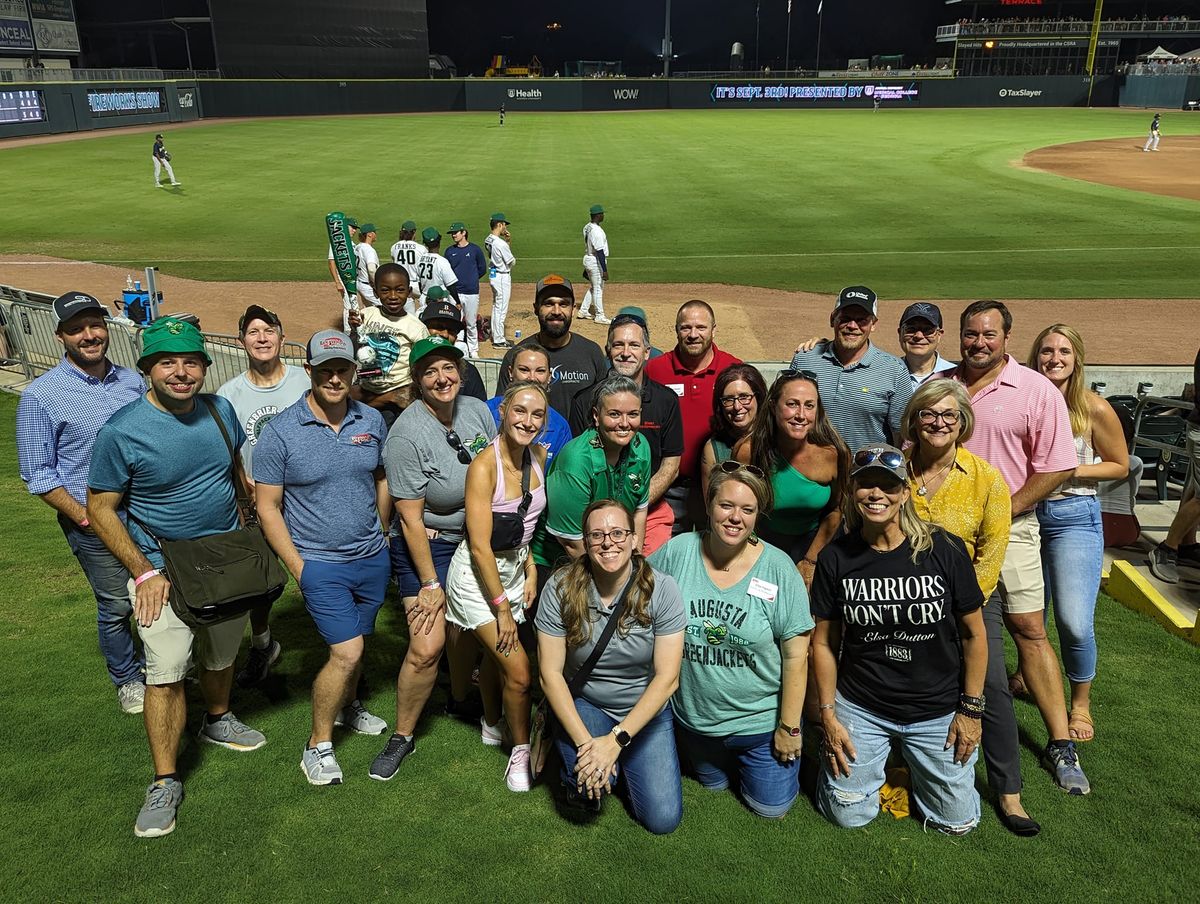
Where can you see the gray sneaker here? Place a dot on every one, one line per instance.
(320, 767)
(355, 717)
(388, 762)
(1164, 564)
(258, 663)
(1060, 757)
(157, 816)
(132, 697)
(229, 731)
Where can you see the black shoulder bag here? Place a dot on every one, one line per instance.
(508, 528)
(221, 576)
(541, 733)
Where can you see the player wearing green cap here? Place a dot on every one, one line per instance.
(500, 261)
(406, 252)
(368, 263)
(433, 269)
(595, 265)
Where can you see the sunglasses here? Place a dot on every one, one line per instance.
(452, 440)
(729, 466)
(889, 458)
(789, 373)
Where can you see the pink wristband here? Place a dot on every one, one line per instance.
(142, 578)
(499, 601)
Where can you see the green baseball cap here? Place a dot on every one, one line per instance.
(350, 221)
(457, 226)
(430, 234)
(432, 344)
(498, 218)
(436, 293)
(409, 224)
(367, 227)
(595, 209)
(170, 336)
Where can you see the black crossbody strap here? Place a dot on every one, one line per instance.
(526, 496)
(579, 679)
(239, 488)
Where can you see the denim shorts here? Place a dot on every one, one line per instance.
(405, 575)
(767, 786)
(344, 598)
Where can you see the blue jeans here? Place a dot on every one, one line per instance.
(110, 584)
(943, 790)
(1072, 556)
(649, 764)
(767, 786)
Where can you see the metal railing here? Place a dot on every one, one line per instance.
(1068, 27)
(27, 76)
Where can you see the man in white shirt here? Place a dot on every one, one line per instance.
(406, 252)
(595, 265)
(433, 269)
(500, 263)
(368, 263)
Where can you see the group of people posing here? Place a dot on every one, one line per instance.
(766, 587)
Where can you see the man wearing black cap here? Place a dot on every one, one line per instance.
(58, 418)
(162, 160)
(864, 389)
(257, 394)
(442, 317)
(575, 361)
(920, 335)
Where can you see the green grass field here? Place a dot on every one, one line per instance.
(916, 203)
(446, 828)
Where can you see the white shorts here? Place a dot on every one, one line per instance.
(465, 602)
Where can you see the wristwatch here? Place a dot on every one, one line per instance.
(624, 738)
(794, 732)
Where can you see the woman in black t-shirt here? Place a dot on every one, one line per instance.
(899, 654)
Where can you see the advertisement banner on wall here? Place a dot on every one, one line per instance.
(126, 103)
(54, 25)
(14, 26)
(832, 94)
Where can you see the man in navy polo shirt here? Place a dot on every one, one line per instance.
(323, 500)
(467, 262)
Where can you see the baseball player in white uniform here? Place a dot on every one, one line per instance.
(595, 265)
(406, 252)
(1152, 139)
(500, 263)
(433, 269)
(352, 224)
(368, 263)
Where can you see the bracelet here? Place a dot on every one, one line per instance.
(142, 578)
(971, 707)
(499, 601)
(809, 561)
(435, 584)
(827, 706)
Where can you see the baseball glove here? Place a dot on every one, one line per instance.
(167, 156)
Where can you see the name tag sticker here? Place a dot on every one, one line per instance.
(763, 590)
(676, 388)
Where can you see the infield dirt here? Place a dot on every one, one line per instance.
(1172, 170)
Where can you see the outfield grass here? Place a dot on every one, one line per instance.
(446, 829)
(916, 203)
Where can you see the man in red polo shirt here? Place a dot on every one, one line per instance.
(689, 370)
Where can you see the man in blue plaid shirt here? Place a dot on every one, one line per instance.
(58, 418)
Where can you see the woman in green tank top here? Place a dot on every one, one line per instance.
(738, 394)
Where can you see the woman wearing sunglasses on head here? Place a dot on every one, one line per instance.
(618, 723)
(426, 457)
(899, 654)
(795, 445)
(741, 687)
(737, 394)
(963, 494)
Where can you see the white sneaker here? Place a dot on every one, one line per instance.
(132, 697)
(355, 717)
(492, 735)
(320, 767)
(600, 318)
(177, 183)
(584, 315)
(517, 776)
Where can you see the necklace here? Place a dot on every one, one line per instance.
(923, 489)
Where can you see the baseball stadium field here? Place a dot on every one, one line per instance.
(764, 212)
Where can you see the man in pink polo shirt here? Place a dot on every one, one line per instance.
(689, 370)
(1023, 429)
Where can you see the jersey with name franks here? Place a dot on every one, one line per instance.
(594, 239)
(434, 270)
(406, 253)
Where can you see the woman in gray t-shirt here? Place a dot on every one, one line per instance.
(619, 721)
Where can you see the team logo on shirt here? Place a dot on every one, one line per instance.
(258, 420)
(478, 444)
(361, 439)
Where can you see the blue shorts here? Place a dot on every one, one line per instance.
(406, 576)
(343, 598)
(768, 787)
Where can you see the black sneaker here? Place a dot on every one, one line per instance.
(258, 664)
(1188, 555)
(385, 766)
(1164, 564)
(469, 710)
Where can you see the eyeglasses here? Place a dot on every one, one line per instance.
(452, 440)
(889, 458)
(616, 536)
(729, 466)
(949, 418)
(742, 398)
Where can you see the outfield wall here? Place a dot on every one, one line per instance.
(78, 107)
(1162, 91)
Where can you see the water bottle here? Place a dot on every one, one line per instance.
(518, 335)
(137, 285)
(128, 283)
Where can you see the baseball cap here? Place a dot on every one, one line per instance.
(858, 296)
(595, 209)
(258, 312)
(880, 457)
(407, 225)
(430, 234)
(350, 221)
(72, 303)
(167, 335)
(553, 283)
(457, 226)
(922, 310)
(367, 227)
(423, 347)
(330, 345)
(498, 218)
(634, 313)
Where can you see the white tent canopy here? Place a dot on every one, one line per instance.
(1191, 54)
(1158, 53)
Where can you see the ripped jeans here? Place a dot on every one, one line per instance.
(942, 790)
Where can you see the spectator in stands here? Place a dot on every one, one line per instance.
(1023, 429)
(690, 371)
(426, 457)
(1173, 551)
(964, 495)
(531, 363)
(921, 334)
(628, 350)
(738, 393)
(793, 443)
(386, 335)
(619, 724)
(741, 688)
(58, 417)
(1069, 518)
(863, 389)
(260, 392)
(575, 361)
(466, 260)
(442, 317)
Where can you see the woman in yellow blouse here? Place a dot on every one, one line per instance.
(965, 495)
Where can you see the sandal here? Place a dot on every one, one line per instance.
(1016, 685)
(1080, 722)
